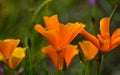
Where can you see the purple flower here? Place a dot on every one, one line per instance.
(93, 2)
(1, 69)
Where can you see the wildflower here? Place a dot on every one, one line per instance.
(89, 49)
(66, 54)
(93, 2)
(104, 42)
(59, 35)
(1, 69)
(10, 53)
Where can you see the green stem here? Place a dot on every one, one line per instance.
(39, 8)
(26, 62)
(87, 68)
(30, 62)
(113, 11)
(101, 64)
(28, 59)
(82, 68)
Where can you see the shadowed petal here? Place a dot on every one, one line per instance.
(51, 52)
(51, 36)
(105, 27)
(52, 23)
(7, 47)
(89, 49)
(16, 57)
(70, 52)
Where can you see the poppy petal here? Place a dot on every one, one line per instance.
(90, 37)
(115, 39)
(52, 23)
(69, 31)
(89, 49)
(1, 57)
(16, 57)
(51, 36)
(115, 43)
(104, 44)
(115, 35)
(70, 52)
(104, 27)
(51, 52)
(40, 29)
(75, 33)
(7, 47)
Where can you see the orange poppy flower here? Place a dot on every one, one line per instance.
(89, 49)
(10, 53)
(57, 34)
(66, 54)
(7, 47)
(104, 42)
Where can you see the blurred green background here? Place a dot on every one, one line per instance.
(16, 21)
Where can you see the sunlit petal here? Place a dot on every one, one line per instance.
(115, 35)
(69, 31)
(7, 47)
(115, 43)
(90, 37)
(89, 49)
(51, 36)
(40, 29)
(52, 22)
(105, 27)
(115, 38)
(70, 52)
(75, 33)
(104, 44)
(1, 57)
(16, 57)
